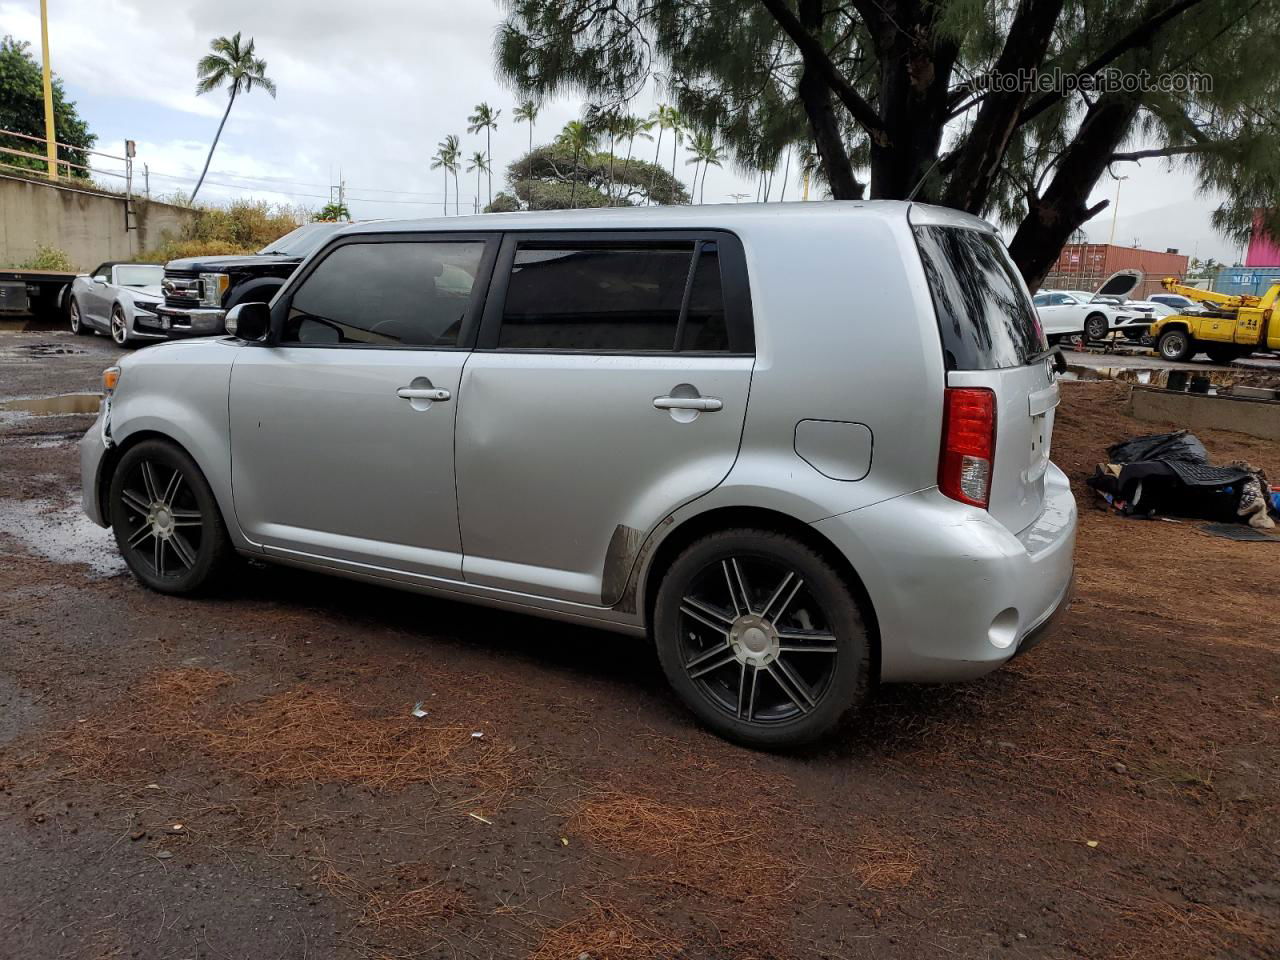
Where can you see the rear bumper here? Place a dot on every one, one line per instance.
(955, 593)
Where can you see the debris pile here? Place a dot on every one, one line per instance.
(1170, 474)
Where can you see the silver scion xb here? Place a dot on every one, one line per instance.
(802, 447)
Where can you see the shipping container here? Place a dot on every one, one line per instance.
(1084, 266)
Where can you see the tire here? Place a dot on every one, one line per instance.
(1096, 327)
(786, 670)
(119, 327)
(1175, 346)
(186, 549)
(76, 319)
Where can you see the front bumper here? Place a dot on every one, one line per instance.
(955, 593)
(191, 321)
(93, 452)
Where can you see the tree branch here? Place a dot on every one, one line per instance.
(1136, 37)
(816, 56)
(1135, 155)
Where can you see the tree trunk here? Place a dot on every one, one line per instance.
(488, 157)
(836, 167)
(694, 189)
(573, 185)
(675, 145)
(457, 194)
(213, 146)
(786, 172)
(1060, 211)
(653, 177)
(446, 191)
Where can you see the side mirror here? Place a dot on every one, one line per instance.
(249, 321)
(99, 279)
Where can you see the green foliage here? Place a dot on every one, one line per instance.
(49, 258)
(906, 111)
(333, 211)
(243, 227)
(22, 110)
(233, 63)
(560, 175)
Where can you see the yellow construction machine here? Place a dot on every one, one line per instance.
(1231, 327)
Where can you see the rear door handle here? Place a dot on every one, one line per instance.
(703, 404)
(422, 393)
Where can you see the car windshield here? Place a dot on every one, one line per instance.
(139, 275)
(302, 241)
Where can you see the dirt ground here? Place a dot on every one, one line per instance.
(241, 777)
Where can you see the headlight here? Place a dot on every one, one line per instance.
(212, 287)
(110, 379)
(147, 308)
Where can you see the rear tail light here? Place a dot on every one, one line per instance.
(968, 444)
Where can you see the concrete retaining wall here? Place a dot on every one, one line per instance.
(1199, 411)
(87, 224)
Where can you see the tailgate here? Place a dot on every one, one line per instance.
(991, 337)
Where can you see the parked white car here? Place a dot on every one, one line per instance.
(1066, 313)
(118, 299)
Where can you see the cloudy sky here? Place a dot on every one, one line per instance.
(366, 90)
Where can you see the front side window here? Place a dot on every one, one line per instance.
(614, 298)
(403, 293)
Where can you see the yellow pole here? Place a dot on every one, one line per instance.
(805, 195)
(51, 144)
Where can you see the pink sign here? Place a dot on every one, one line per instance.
(1263, 249)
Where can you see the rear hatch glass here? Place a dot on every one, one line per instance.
(984, 314)
(991, 337)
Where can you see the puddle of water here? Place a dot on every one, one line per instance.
(61, 534)
(53, 406)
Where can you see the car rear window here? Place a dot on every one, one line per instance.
(984, 315)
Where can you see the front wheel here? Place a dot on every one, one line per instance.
(1095, 327)
(78, 326)
(166, 520)
(1175, 345)
(119, 327)
(762, 638)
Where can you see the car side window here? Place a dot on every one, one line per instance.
(1065, 301)
(1041, 300)
(628, 297)
(401, 293)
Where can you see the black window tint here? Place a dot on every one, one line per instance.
(410, 293)
(984, 315)
(595, 298)
(705, 327)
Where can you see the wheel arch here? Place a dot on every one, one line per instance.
(649, 573)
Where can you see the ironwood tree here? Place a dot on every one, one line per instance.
(1009, 109)
(22, 111)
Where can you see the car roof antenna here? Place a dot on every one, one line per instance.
(920, 183)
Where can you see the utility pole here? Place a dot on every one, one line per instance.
(146, 180)
(50, 134)
(1115, 212)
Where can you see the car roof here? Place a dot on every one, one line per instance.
(727, 216)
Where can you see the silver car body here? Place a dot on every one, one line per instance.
(549, 482)
(112, 285)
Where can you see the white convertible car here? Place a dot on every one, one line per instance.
(118, 299)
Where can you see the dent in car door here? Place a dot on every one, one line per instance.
(342, 435)
(578, 432)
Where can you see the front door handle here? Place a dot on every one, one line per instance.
(701, 404)
(423, 393)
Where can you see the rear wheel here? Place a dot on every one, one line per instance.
(166, 520)
(1095, 327)
(1175, 345)
(761, 638)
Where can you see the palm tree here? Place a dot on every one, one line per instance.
(707, 153)
(230, 62)
(486, 118)
(677, 138)
(580, 138)
(526, 112)
(629, 128)
(479, 164)
(452, 151)
(443, 161)
(606, 121)
(667, 118)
